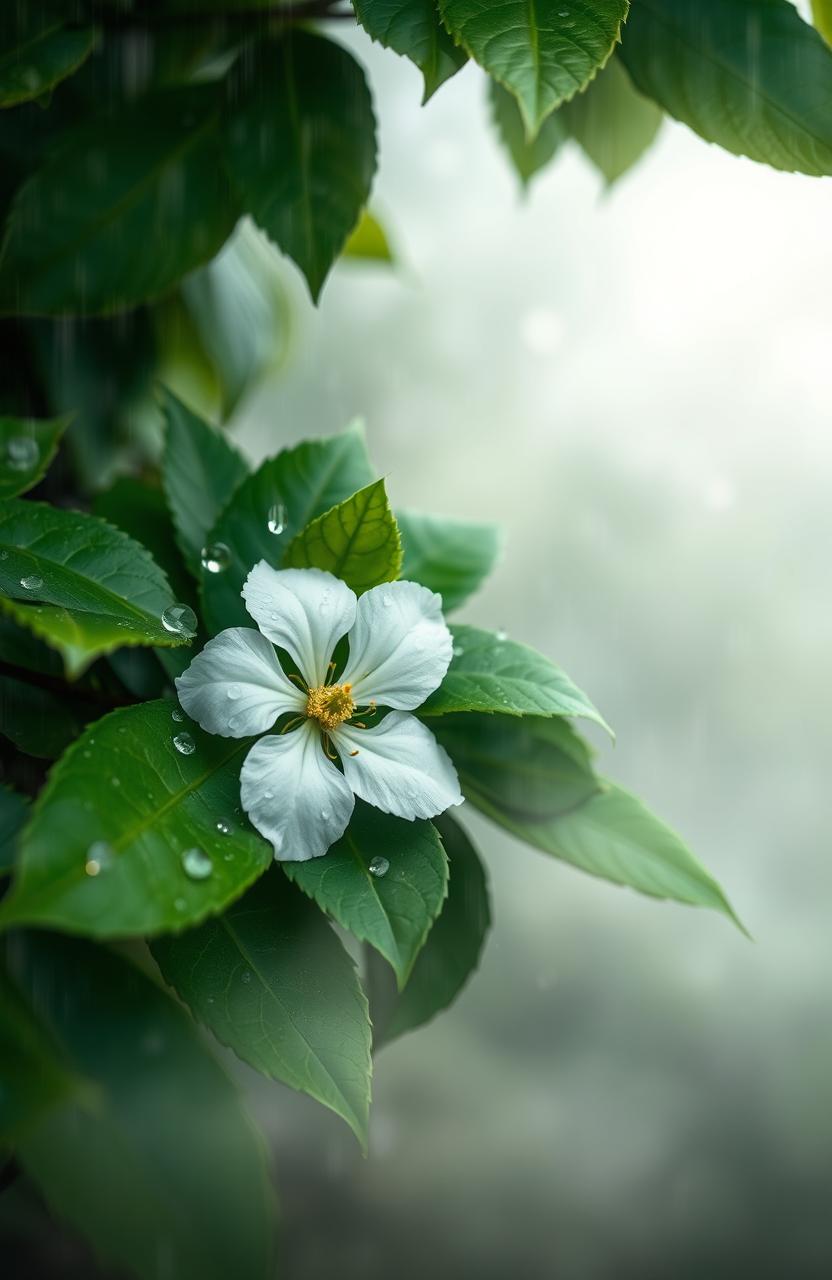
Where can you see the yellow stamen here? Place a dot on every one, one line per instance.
(330, 705)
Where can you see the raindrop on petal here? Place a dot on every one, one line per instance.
(233, 691)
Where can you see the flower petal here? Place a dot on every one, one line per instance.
(400, 647)
(236, 686)
(304, 611)
(294, 795)
(399, 767)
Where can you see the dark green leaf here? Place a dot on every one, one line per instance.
(273, 983)
(40, 722)
(613, 124)
(96, 589)
(543, 52)
(489, 672)
(140, 510)
(528, 156)
(153, 1158)
(105, 852)
(368, 242)
(749, 75)
(37, 51)
(27, 447)
(529, 767)
(200, 469)
(146, 175)
(301, 146)
(453, 557)
(615, 837)
(357, 540)
(33, 1077)
(452, 951)
(392, 906)
(413, 28)
(13, 813)
(285, 493)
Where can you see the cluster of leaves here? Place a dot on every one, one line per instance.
(138, 832)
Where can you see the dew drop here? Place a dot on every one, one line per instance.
(233, 724)
(99, 858)
(223, 827)
(177, 715)
(115, 782)
(268, 795)
(325, 815)
(458, 650)
(180, 619)
(379, 867)
(501, 636)
(386, 600)
(215, 557)
(31, 582)
(184, 744)
(22, 453)
(196, 864)
(277, 518)
(233, 692)
(4, 555)
(245, 976)
(325, 600)
(179, 904)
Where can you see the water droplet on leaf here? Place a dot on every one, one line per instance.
(22, 453)
(277, 518)
(184, 744)
(223, 827)
(180, 619)
(215, 557)
(177, 715)
(245, 976)
(99, 858)
(196, 864)
(379, 867)
(31, 582)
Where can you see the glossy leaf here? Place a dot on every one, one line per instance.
(391, 907)
(489, 672)
(612, 122)
(544, 52)
(452, 951)
(822, 17)
(153, 1158)
(40, 722)
(529, 767)
(140, 510)
(615, 837)
(749, 75)
(358, 541)
(273, 983)
(147, 174)
(27, 446)
(79, 584)
(368, 242)
(105, 851)
(200, 471)
(284, 494)
(528, 155)
(301, 146)
(414, 29)
(452, 557)
(13, 812)
(37, 51)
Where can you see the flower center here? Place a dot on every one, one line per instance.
(330, 704)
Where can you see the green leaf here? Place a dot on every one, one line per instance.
(41, 722)
(153, 1158)
(273, 983)
(139, 510)
(105, 852)
(301, 146)
(451, 953)
(527, 155)
(543, 51)
(452, 557)
(615, 837)
(749, 75)
(200, 470)
(147, 174)
(391, 907)
(13, 813)
(37, 51)
(489, 672)
(822, 16)
(368, 241)
(97, 589)
(357, 540)
(27, 447)
(286, 493)
(613, 124)
(413, 28)
(33, 1077)
(532, 767)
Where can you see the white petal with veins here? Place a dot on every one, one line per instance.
(400, 647)
(304, 611)
(398, 766)
(236, 686)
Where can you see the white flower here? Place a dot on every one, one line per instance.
(399, 651)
